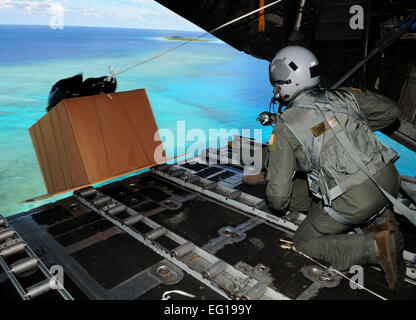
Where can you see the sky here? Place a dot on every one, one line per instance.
(142, 14)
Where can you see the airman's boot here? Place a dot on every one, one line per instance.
(390, 247)
(254, 178)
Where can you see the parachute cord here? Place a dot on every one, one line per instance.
(114, 74)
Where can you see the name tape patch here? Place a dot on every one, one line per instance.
(324, 126)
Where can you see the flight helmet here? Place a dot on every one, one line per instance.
(292, 70)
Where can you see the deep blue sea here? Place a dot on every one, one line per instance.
(208, 85)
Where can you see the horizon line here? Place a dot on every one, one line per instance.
(112, 27)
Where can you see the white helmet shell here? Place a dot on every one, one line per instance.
(292, 70)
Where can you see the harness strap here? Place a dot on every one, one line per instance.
(336, 216)
(335, 192)
(342, 138)
(314, 178)
(335, 108)
(316, 175)
(338, 109)
(317, 141)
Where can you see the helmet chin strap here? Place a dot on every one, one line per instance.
(277, 94)
(276, 91)
(269, 118)
(277, 87)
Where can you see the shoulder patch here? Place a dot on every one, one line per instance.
(271, 143)
(271, 140)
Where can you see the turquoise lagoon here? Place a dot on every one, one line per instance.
(209, 85)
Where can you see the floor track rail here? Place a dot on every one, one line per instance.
(205, 267)
(242, 201)
(12, 244)
(247, 203)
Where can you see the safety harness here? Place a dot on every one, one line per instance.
(326, 120)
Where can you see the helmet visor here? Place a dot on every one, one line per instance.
(278, 70)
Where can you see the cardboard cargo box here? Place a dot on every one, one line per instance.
(86, 140)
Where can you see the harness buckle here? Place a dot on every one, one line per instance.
(314, 182)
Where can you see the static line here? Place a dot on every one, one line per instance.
(114, 74)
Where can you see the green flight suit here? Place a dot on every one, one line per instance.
(320, 236)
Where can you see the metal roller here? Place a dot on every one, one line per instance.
(261, 205)
(87, 192)
(178, 173)
(116, 209)
(6, 234)
(193, 179)
(13, 249)
(182, 250)
(39, 289)
(210, 186)
(255, 293)
(214, 270)
(163, 167)
(101, 201)
(133, 219)
(155, 234)
(234, 195)
(24, 265)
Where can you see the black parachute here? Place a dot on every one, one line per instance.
(75, 87)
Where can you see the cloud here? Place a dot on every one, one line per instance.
(132, 13)
(31, 7)
(110, 13)
(56, 8)
(88, 12)
(6, 5)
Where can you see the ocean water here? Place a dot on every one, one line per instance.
(208, 85)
